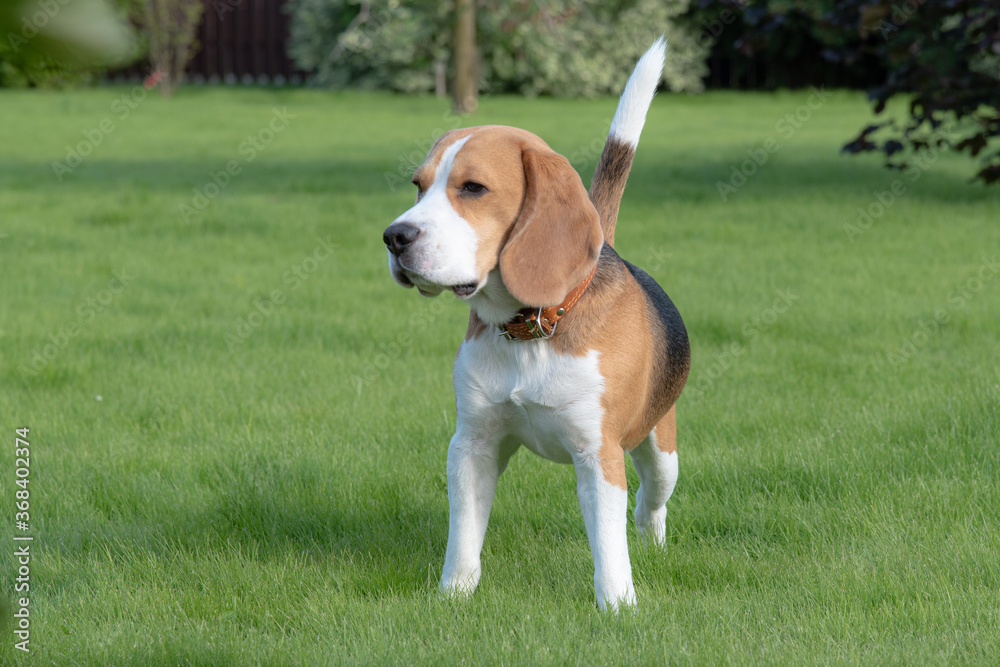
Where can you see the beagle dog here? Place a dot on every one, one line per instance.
(571, 351)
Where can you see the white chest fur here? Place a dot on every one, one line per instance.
(549, 402)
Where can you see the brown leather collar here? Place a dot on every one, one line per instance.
(531, 323)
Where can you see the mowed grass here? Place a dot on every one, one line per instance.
(238, 448)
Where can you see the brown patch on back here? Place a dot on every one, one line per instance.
(631, 408)
(616, 318)
(666, 432)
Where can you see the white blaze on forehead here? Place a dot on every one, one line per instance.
(446, 163)
(445, 252)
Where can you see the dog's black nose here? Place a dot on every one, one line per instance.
(398, 236)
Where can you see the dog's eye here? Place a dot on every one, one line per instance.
(420, 190)
(473, 188)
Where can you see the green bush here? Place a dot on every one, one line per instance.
(561, 47)
(59, 44)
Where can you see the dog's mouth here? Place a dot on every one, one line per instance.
(409, 278)
(461, 291)
(464, 291)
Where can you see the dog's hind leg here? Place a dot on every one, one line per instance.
(655, 460)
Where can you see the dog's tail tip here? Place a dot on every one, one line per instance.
(630, 116)
(623, 138)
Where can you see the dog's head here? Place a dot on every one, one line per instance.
(495, 197)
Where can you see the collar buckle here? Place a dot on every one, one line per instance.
(534, 326)
(529, 324)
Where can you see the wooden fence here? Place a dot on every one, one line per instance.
(244, 41)
(238, 42)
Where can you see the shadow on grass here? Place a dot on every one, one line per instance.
(373, 539)
(678, 178)
(180, 178)
(379, 534)
(829, 177)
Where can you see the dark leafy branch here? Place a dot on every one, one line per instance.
(940, 56)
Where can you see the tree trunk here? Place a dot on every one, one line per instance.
(440, 78)
(466, 89)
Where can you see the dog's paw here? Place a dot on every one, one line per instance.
(616, 598)
(652, 525)
(459, 585)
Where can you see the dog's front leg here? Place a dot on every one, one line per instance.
(601, 488)
(474, 465)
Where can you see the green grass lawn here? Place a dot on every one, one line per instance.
(238, 444)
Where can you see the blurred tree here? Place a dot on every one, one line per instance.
(584, 47)
(59, 42)
(380, 44)
(942, 58)
(464, 53)
(555, 47)
(171, 26)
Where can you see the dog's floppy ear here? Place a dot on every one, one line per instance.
(556, 239)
